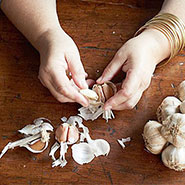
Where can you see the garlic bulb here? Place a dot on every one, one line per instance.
(169, 106)
(154, 142)
(182, 107)
(181, 91)
(174, 158)
(173, 129)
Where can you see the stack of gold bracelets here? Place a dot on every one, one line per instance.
(172, 27)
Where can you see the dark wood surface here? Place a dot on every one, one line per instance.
(99, 27)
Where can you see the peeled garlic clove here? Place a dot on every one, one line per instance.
(73, 134)
(181, 91)
(182, 107)
(90, 94)
(169, 106)
(100, 147)
(82, 153)
(173, 129)
(61, 132)
(174, 158)
(154, 141)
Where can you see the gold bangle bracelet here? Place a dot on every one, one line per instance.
(172, 27)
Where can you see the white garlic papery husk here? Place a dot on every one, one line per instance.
(123, 140)
(182, 107)
(36, 137)
(174, 158)
(153, 139)
(173, 129)
(97, 97)
(169, 106)
(181, 91)
(82, 153)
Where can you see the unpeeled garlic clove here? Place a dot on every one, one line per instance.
(73, 134)
(153, 139)
(182, 107)
(109, 89)
(174, 158)
(82, 153)
(169, 106)
(173, 129)
(61, 132)
(181, 91)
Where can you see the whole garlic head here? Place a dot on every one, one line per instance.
(174, 158)
(181, 91)
(154, 142)
(173, 129)
(169, 106)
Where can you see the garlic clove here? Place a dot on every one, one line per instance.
(182, 107)
(109, 89)
(61, 132)
(174, 158)
(169, 106)
(82, 153)
(153, 139)
(90, 94)
(173, 129)
(100, 147)
(99, 91)
(181, 91)
(73, 135)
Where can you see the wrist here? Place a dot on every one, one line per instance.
(159, 45)
(48, 37)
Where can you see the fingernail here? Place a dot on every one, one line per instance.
(99, 79)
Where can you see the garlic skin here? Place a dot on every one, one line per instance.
(174, 158)
(181, 91)
(182, 107)
(173, 129)
(169, 106)
(154, 141)
(82, 153)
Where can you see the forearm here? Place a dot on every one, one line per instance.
(174, 7)
(33, 18)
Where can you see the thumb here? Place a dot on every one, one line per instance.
(77, 70)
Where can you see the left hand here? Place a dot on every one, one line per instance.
(138, 57)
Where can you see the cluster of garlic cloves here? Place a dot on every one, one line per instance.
(36, 137)
(167, 136)
(97, 97)
(82, 152)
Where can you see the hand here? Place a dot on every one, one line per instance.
(138, 57)
(59, 54)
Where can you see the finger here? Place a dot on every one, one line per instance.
(131, 103)
(90, 82)
(57, 95)
(77, 71)
(128, 89)
(113, 67)
(63, 86)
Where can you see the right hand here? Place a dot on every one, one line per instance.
(58, 54)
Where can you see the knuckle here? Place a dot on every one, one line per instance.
(62, 89)
(145, 83)
(126, 93)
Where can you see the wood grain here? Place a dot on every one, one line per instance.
(99, 27)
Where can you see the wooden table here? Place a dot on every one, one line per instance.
(99, 28)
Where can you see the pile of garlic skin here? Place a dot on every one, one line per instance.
(36, 137)
(97, 96)
(167, 135)
(82, 152)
